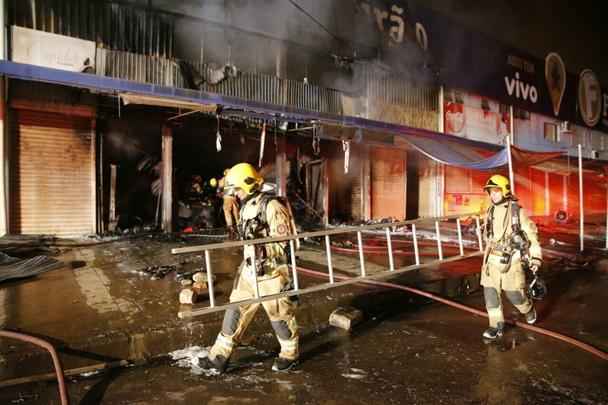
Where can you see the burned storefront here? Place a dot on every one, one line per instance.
(169, 105)
(204, 143)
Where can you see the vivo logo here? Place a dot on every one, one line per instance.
(520, 89)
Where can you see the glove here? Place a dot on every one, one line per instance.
(260, 252)
(233, 233)
(535, 265)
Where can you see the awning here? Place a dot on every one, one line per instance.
(563, 167)
(524, 157)
(435, 145)
(454, 154)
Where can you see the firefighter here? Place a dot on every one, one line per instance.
(262, 215)
(230, 207)
(511, 245)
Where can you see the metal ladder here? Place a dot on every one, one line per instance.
(326, 234)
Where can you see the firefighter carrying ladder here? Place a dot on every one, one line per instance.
(326, 234)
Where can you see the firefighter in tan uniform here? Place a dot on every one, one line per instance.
(230, 206)
(262, 215)
(511, 244)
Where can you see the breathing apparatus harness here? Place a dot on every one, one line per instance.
(252, 228)
(518, 242)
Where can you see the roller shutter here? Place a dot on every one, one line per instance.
(52, 176)
(388, 183)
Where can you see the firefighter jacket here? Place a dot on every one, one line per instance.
(498, 229)
(264, 215)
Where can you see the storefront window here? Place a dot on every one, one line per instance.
(550, 132)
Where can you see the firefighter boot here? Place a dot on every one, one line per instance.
(494, 333)
(283, 364)
(218, 363)
(531, 316)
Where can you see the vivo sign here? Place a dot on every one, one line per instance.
(520, 90)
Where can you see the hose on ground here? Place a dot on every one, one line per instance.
(63, 393)
(577, 343)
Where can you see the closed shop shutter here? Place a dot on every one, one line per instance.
(52, 176)
(388, 183)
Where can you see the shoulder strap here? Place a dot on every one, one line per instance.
(515, 220)
(264, 200)
(490, 222)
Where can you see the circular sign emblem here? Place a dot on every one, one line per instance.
(589, 98)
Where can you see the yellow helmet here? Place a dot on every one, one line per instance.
(245, 177)
(501, 182)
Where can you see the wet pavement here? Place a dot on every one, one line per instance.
(101, 308)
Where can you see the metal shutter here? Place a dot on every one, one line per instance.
(53, 174)
(388, 183)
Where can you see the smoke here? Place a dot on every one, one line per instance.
(250, 34)
(383, 43)
(333, 44)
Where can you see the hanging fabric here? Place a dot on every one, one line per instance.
(346, 149)
(262, 143)
(358, 135)
(218, 137)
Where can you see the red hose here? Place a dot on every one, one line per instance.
(447, 250)
(63, 394)
(543, 331)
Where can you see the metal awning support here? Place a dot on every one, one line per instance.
(510, 160)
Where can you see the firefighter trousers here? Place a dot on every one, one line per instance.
(281, 312)
(512, 282)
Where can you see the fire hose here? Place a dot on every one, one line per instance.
(577, 343)
(63, 394)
